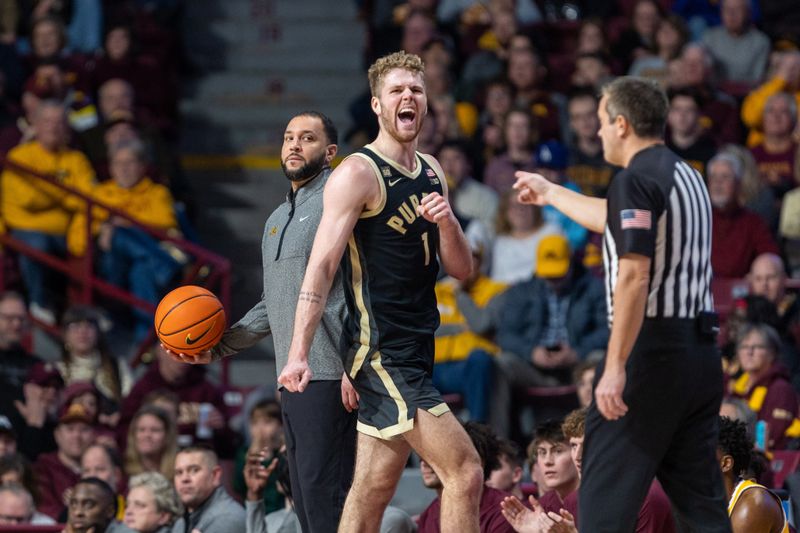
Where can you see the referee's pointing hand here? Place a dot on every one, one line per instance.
(532, 188)
(608, 394)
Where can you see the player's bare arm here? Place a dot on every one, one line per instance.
(351, 189)
(630, 299)
(757, 510)
(587, 211)
(454, 250)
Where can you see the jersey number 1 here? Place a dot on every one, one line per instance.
(427, 248)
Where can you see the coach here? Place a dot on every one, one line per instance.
(660, 386)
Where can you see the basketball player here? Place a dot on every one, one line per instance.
(660, 386)
(752, 507)
(386, 209)
(320, 425)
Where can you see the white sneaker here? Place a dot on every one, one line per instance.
(42, 314)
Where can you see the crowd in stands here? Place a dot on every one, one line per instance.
(513, 86)
(89, 99)
(86, 440)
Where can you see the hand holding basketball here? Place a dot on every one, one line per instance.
(203, 358)
(190, 321)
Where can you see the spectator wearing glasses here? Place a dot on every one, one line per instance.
(765, 382)
(16, 360)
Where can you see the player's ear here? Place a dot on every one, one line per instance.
(376, 105)
(726, 463)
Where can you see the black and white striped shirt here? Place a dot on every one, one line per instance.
(659, 207)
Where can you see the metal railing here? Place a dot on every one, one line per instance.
(82, 270)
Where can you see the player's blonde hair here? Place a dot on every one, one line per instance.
(383, 65)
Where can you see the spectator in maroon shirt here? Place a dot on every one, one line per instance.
(639, 39)
(550, 451)
(775, 155)
(527, 73)
(719, 112)
(767, 278)
(119, 60)
(41, 85)
(517, 133)
(508, 476)
(764, 382)
(686, 136)
(118, 123)
(48, 44)
(491, 519)
(57, 471)
(655, 515)
(189, 382)
(738, 235)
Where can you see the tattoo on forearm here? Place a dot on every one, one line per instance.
(310, 296)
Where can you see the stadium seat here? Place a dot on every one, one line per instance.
(726, 291)
(563, 396)
(784, 462)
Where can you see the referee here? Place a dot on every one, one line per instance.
(660, 386)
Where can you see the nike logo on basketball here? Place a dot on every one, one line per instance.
(190, 340)
(393, 182)
(303, 218)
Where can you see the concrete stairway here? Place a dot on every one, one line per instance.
(258, 62)
(263, 60)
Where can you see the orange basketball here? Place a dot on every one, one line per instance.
(190, 320)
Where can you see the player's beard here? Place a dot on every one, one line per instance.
(402, 136)
(307, 171)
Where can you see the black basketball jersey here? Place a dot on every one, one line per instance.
(390, 266)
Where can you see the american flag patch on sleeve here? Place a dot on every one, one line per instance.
(636, 219)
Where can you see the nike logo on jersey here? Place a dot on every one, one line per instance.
(190, 340)
(393, 182)
(303, 218)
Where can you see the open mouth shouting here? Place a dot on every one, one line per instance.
(406, 116)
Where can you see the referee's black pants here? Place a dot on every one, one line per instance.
(321, 449)
(673, 393)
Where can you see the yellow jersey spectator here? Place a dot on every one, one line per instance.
(38, 212)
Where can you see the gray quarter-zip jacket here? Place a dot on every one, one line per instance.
(285, 248)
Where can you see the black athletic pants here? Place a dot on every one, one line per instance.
(673, 393)
(321, 449)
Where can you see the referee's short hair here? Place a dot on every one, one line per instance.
(641, 101)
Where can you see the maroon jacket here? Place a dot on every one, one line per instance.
(491, 517)
(737, 237)
(193, 390)
(776, 168)
(52, 478)
(779, 405)
(655, 515)
(155, 93)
